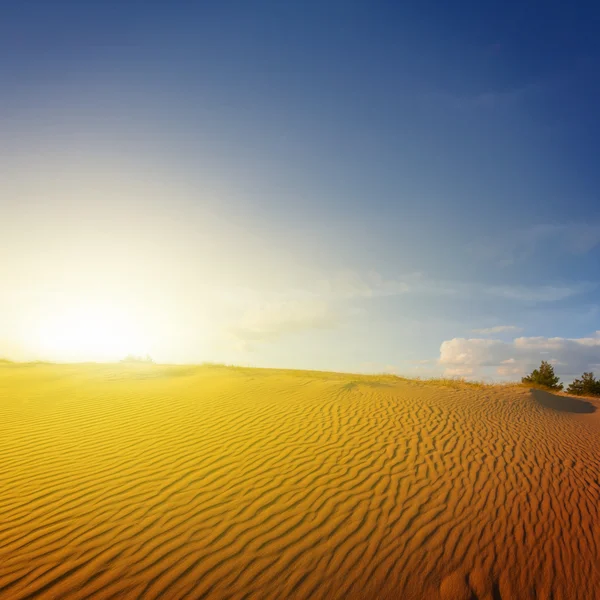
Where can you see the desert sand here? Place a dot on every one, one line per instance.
(148, 481)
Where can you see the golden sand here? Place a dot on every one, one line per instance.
(146, 481)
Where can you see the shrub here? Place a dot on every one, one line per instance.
(544, 376)
(586, 386)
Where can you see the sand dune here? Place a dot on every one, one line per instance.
(178, 482)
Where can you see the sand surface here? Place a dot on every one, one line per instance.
(208, 482)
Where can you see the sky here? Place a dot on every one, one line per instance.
(347, 185)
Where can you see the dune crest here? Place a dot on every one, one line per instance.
(145, 481)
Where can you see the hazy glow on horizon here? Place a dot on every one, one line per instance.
(91, 333)
(98, 264)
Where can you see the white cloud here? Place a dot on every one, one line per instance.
(270, 320)
(510, 372)
(497, 329)
(458, 372)
(247, 316)
(521, 244)
(571, 356)
(471, 352)
(351, 284)
(545, 293)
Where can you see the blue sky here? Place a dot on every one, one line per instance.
(337, 185)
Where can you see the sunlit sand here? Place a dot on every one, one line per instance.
(149, 481)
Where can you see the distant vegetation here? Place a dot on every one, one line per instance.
(544, 377)
(586, 386)
(131, 358)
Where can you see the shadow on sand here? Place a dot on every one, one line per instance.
(563, 403)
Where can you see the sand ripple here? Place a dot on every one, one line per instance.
(170, 482)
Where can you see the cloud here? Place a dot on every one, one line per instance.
(497, 329)
(484, 100)
(521, 244)
(350, 284)
(544, 293)
(472, 352)
(247, 316)
(268, 321)
(572, 356)
(459, 372)
(510, 372)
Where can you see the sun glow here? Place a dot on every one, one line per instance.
(94, 332)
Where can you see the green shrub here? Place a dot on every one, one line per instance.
(586, 386)
(544, 376)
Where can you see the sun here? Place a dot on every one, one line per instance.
(91, 332)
